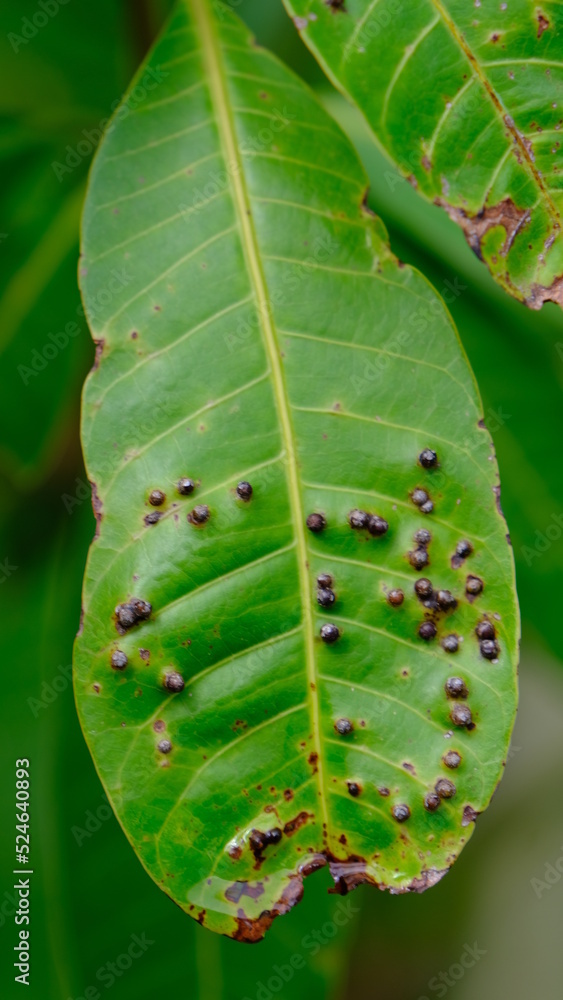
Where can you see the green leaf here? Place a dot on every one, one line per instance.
(266, 334)
(466, 99)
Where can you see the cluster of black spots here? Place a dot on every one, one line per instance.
(445, 788)
(153, 518)
(486, 634)
(360, 520)
(419, 557)
(427, 631)
(354, 789)
(343, 727)
(456, 687)
(174, 682)
(259, 840)
(461, 716)
(325, 594)
(164, 746)
(432, 801)
(185, 487)
(330, 633)
(437, 601)
(157, 498)
(450, 643)
(325, 597)
(395, 597)
(244, 490)
(129, 614)
(428, 458)
(200, 514)
(401, 812)
(421, 500)
(473, 586)
(452, 759)
(489, 649)
(316, 523)
(377, 525)
(118, 660)
(446, 600)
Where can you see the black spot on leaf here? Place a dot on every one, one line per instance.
(445, 788)
(419, 558)
(423, 587)
(316, 523)
(452, 759)
(377, 525)
(428, 458)
(395, 597)
(431, 801)
(330, 633)
(358, 519)
(200, 514)
(343, 727)
(118, 660)
(157, 498)
(153, 518)
(325, 597)
(174, 682)
(244, 490)
(450, 643)
(401, 813)
(185, 487)
(456, 687)
(461, 715)
(427, 631)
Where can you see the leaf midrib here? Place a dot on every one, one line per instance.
(212, 57)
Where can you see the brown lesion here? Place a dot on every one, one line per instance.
(348, 873)
(540, 294)
(543, 24)
(252, 929)
(96, 507)
(475, 227)
(469, 815)
(425, 880)
(239, 889)
(100, 344)
(513, 220)
(294, 824)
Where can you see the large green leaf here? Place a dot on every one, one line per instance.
(267, 334)
(466, 98)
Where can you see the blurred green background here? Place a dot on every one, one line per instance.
(89, 893)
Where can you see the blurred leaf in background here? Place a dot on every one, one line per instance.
(90, 894)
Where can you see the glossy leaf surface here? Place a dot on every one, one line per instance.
(253, 326)
(466, 97)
